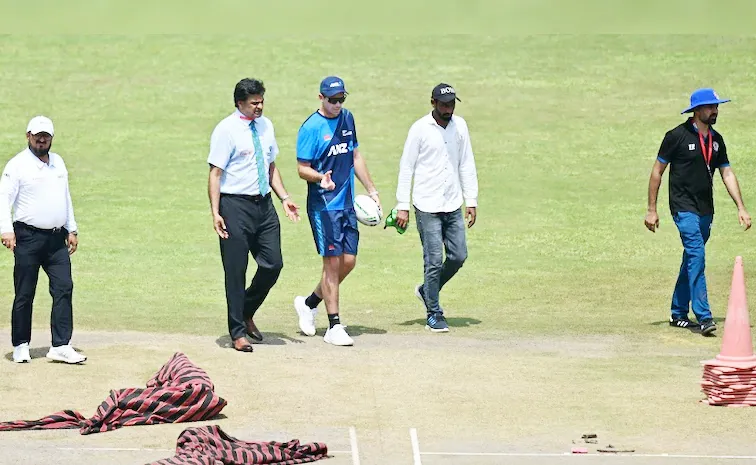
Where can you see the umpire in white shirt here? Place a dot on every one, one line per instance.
(37, 224)
(243, 171)
(438, 154)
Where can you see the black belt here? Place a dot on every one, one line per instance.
(34, 228)
(254, 198)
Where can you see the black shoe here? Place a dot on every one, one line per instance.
(708, 327)
(682, 323)
(252, 330)
(421, 295)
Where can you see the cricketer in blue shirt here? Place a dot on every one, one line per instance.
(329, 159)
(327, 142)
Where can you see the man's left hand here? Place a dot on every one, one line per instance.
(744, 218)
(471, 214)
(291, 209)
(72, 242)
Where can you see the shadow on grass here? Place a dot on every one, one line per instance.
(280, 339)
(693, 329)
(357, 330)
(454, 322)
(35, 353)
(270, 339)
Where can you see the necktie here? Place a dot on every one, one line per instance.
(262, 179)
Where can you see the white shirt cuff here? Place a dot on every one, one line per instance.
(471, 202)
(403, 206)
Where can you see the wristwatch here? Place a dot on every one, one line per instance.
(75, 233)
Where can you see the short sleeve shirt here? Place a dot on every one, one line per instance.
(232, 149)
(328, 144)
(690, 178)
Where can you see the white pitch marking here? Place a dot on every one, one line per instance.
(137, 449)
(353, 441)
(115, 449)
(415, 447)
(598, 454)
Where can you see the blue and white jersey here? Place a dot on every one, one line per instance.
(328, 144)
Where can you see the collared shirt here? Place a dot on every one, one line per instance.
(232, 149)
(691, 175)
(442, 162)
(35, 193)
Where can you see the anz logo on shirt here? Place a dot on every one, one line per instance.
(340, 149)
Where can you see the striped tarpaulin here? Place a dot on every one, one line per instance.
(209, 445)
(179, 392)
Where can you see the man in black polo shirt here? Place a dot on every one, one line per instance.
(694, 150)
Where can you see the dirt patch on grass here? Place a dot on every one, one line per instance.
(513, 394)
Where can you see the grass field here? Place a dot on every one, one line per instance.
(565, 292)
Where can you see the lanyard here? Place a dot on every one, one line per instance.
(707, 157)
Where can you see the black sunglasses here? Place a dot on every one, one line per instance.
(335, 100)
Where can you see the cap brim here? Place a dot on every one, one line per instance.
(331, 94)
(447, 98)
(36, 131)
(710, 102)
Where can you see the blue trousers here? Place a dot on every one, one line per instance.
(690, 290)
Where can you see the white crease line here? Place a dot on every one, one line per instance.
(115, 449)
(138, 449)
(597, 454)
(353, 442)
(415, 447)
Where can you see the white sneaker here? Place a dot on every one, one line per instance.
(338, 336)
(21, 353)
(65, 354)
(306, 316)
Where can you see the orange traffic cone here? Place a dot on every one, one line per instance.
(737, 345)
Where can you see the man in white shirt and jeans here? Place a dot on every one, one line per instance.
(37, 224)
(438, 154)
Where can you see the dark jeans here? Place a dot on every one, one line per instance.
(439, 232)
(253, 227)
(47, 249)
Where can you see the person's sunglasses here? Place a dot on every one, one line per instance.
(334, 100)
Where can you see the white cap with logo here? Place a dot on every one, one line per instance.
(40, 124)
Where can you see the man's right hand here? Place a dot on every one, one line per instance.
(327, 183)
(9, 240)
(220, 226)
(402, 218)
(652, 220)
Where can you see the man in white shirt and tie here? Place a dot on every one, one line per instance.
(37, 224)
(243, 171)
(438, 154)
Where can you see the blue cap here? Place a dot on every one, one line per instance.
(705, 96)
(331, 86)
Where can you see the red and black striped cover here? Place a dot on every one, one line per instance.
(209, 445)
(179, 392)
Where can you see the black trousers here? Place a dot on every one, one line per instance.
(253, 227)
(47, 249)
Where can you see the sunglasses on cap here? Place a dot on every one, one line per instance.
(334, 100)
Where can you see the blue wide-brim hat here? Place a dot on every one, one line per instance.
(705, 96)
